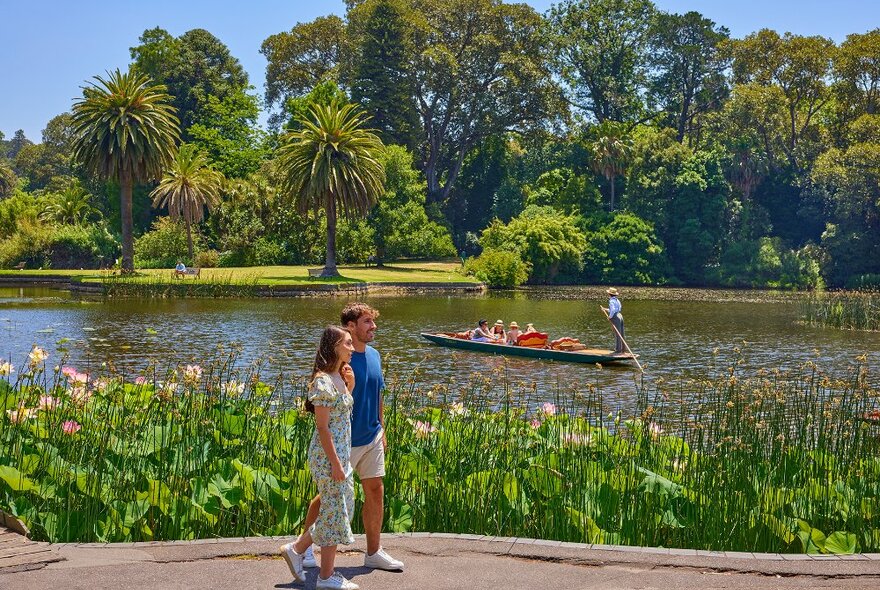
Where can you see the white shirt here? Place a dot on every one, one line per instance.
(613, 307)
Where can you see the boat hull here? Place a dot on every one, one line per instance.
(573, 356)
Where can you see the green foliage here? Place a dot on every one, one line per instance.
(59, 246)
(623, 249)
(226, 129)
(562, 189)
(547, 239)
(766, 263)
(355, 241)
(207, 259)
(163, 245)
(8, 180)
(498, 269)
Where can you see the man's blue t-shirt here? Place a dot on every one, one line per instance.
(368, 386)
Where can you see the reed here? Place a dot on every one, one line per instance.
(845, 310)
(769, 461)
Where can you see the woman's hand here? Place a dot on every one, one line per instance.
(348, 376)
(336, 471)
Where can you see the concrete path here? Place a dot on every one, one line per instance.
(440, 561)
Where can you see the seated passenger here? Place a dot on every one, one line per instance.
(482, 333)
(529, 328)
(513, 333)
(498, 332)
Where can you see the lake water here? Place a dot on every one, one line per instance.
(673, 331)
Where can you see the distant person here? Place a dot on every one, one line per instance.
(513, 333)
(614, 309)
(180, 269)
(530, 328)
(498, 332)
(482, 333)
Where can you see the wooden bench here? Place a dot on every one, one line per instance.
(20, 266)
(316, 272)
(189, 272)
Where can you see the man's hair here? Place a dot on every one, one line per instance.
(353, 312)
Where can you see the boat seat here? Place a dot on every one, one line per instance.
(532, 340)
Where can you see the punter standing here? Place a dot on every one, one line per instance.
(616, 318)
(367, 439)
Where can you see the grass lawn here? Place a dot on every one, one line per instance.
(402, 272)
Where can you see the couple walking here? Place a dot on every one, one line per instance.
(345, 395)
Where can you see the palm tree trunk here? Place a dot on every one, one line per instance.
(125, 213)
(189, 240)
(330, 262)
(611, 180)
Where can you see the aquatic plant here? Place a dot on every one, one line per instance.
(846, 310)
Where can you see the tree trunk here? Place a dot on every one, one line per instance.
(330, 262)
(125, 213)
(189, 241)
(611, 180)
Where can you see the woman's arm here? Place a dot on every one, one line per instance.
(322, 423)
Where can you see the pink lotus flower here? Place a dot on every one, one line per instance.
(70, 427)
(6, 369)
(140, 380)
(576, 440)
(192, 374)
(79, 393)
(457, 409)
(74, 376)
(37, 356)
(535, 423)
(21, 414)
(47, 402)
(423, 429)
(654, 430)
(548, 409)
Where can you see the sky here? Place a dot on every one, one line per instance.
(49, 49)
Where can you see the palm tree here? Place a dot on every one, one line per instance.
(332, 163)
(73, 205)
(611, 153)
(189, 186)
(7, 180)
(125, 130)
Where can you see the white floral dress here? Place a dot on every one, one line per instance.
(333, 526)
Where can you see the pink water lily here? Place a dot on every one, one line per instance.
(654, 430)
(548, 409)
(192, 374)
(47, 402)
(21, 414)
(74, 376)
(6, 369)
(457, 409)
(79, 393)
(70, 427)
(535, 423)
(423, 429)
(37, 355)
(140, 380)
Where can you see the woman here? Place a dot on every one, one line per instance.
(482, 333)
(513, 333)
(329, 398)
(498, 332)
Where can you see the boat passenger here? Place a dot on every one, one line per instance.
(529, 328)
(482, 333)
(498, 332)
(513, 333)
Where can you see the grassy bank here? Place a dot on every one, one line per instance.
(765, 462)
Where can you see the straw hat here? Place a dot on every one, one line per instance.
(613, 292)
(499, 323)
(530, 327)
(514, 325)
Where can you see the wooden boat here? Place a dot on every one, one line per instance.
(589, 355)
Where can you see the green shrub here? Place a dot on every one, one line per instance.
(498, 268)
(354, 241)
(867, 282)
(207, 259)
(163, 245)
(28, 244)
(58, 246)
(625, 250)
(266, 252)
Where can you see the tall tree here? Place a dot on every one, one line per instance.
(600, 51)
(125, 131)
(610, 153)
(478, 68)
(380, 81)
(301, 58)
(857, 70)
(689, 78)
(333, 163)
(8, 181)
(799, 68)
(18, 142)
(193, 67)
(188, 187)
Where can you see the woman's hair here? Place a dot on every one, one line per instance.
(326, 359)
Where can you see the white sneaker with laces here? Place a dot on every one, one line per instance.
(380, 560)
(309, 559)
(294, 561)
(336, 582)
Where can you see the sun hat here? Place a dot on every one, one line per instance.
(514, 325)
(612, 291)
(532, 326)
(499, 323)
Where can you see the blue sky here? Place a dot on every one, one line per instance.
(50, 48)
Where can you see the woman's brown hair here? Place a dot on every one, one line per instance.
(326, 359)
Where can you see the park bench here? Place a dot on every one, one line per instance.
(315, 272)
(189, 272)
(20, 266)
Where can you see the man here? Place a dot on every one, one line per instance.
(616, 318)
(367, 444)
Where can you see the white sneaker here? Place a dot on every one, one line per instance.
(336, 582)
(294, 561)
(309, 557)
(380, 560)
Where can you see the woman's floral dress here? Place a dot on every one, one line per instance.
(333, 526)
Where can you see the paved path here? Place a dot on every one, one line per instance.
(19, 554)
(440, 561)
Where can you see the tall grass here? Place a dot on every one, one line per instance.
(762, 462)
(158, 286)
(846, 310)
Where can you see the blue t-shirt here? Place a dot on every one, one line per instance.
(368, 386)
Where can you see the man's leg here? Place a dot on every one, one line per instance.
(373, 511)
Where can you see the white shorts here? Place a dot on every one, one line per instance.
(369, 460)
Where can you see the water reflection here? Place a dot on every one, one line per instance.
(674, 336)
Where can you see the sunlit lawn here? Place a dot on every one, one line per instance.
(401, 272)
